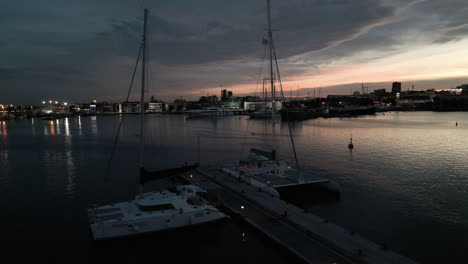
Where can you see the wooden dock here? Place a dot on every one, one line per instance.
(309, 237)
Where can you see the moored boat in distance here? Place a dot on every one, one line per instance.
(349, 110)
(265, 113)
(208, 112)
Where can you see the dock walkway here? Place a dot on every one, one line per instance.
(307, 236)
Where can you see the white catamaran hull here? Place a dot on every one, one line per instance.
(141, 226)
(152, 212)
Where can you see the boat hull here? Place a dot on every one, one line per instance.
(350, 111)
(298, 115)
(110, 230)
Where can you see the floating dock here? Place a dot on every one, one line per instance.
(309, 237)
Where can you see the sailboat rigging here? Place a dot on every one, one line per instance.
(152, 211)
(271, 112)
(263, 169)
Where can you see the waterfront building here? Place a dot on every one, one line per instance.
(396, 87)
(224, 95)
(48, 109)
(155, 107)
(208, 100)
(255, 105)
(379, 92)
(413, 100)
(231, 104)
(131, 107)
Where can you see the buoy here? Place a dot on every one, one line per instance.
(456, 123)
(350, 145)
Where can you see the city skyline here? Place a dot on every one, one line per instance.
(89, 51)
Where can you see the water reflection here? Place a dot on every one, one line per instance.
(4, 128)
(58, 127)
(412, 177)
(80, 132)
(94, 127)
(70, 180)
(4, 154)
(33, 127)
(67, 127)
(52, 128)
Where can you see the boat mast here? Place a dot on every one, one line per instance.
(142, 99)
(300, 176)
(270, 43)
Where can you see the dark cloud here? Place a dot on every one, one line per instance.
(304, 26)
(90, 46)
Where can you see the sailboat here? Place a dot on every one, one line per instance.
(179, 207)
(266, 111)
(263, 170)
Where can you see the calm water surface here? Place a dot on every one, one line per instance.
(404, 184)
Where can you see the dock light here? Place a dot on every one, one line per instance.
(65, 103)
(94, 101)
(43, 102)
(242, 207)
(191, 176)
(50, 101)
(56, 102)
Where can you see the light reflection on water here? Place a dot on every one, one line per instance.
(80, 132)
(67, 127)
(405, 177)
(52, 128)
(4, 129)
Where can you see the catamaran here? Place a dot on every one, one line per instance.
(263, 169)
(182, 206)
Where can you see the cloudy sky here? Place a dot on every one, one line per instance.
(77, 51)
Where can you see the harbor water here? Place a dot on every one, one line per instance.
(404, 184)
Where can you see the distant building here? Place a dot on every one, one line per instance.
(231, 104)
(208, 100)
(155, 107)
(48, 109)
(131, 107)
(224, 95)
(396, 87)
(413, 100)
(379, 92)
(92, 108)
